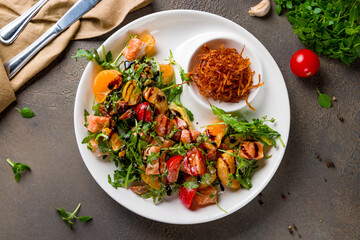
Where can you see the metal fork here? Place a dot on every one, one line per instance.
(10, 32)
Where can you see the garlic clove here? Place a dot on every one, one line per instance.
(261, 9)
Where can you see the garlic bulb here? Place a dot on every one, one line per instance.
(261, 9)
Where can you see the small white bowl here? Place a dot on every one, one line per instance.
(213, 41)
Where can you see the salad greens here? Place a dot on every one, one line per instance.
(256, 128)
(68, 216)
(157, 151)
(18, 168)
(329, 27)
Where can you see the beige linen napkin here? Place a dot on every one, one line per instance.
(105, 16)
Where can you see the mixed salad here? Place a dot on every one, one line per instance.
(139, 123)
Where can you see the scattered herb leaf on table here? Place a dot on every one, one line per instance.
(67, 216)
(26, 112)
(18, 168)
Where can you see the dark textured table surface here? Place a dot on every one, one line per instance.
(322, 202)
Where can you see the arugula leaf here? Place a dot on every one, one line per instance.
(67, 217)
(324, 100)
(26, 112)
(86, 114)
(123, 177)
(18, 168)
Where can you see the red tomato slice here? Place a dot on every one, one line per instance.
(186, 195)
(173, 166)
(194, 162)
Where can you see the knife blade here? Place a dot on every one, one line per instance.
(72, 15)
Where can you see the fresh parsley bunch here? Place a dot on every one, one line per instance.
(329, 27)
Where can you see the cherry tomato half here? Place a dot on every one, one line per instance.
(143, 112)
(173, 166)
(186, 195)
(194, 162)
(304, 63)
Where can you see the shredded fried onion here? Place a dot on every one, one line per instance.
(224, 75)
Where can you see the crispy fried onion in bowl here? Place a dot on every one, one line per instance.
(223, 74)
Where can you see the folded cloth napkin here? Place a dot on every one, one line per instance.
(105, 16)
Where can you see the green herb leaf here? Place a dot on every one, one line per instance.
(86, 114)
(324, 100)
(64, 214)
(84, 218)
(278, 9)
(191, 184)
(26, 112)
(17, 168)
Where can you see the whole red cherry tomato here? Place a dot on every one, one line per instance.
(143, 112)
(194, 162)
(304, 63)
(186, 195)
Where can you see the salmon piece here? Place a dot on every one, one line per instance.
(135, 49)
(180, 123)
(95, 148)
(166, 143)
(207, 196)
(162, 163)
(163, 125)
(154, 167)
(251, 150)
(215, 133)
(188, 136)
(96, 123)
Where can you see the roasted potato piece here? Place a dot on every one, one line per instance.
(225, 167)
(152, 181)
(131, 93)
(215, 133)
(158, 98)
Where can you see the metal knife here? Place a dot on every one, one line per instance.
(71, 16)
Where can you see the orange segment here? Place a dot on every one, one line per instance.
(105, 82)
(167, 73)
(150, 40)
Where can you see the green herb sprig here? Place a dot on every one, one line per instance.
(68, 216)
(18, 168)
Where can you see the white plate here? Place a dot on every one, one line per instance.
(172, 30)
